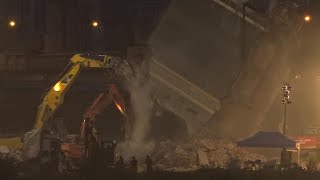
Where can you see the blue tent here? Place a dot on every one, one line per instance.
(268, 140)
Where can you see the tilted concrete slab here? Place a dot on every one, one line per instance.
(205, 42)
(182, 97)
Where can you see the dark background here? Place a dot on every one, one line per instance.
(57, 29)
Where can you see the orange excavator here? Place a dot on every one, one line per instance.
(88, 145)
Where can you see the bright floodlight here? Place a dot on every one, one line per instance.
(307, 18)
(57, 87)
(95, 23)
(12, 23)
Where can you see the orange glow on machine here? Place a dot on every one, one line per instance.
(119, 107)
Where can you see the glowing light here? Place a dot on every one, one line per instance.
(120, 108)
(307, 18)
(95, 23)
(57, 87)
(12, 23)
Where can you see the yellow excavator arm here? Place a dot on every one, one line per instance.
(55, 97)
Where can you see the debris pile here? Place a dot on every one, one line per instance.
(31, 144)
(4, 150)
(169, 155)
(199, 152)
(13, 155)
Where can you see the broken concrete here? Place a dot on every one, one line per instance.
(199, 152)
(185, 99)
(4, 150)
(31, 144)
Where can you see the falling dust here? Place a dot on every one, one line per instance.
(139, 145)
(248, 89)
(257, 91)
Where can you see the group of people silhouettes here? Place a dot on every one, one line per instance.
(134, 164)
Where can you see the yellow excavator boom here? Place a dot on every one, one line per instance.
(55, 96)
(11, 143)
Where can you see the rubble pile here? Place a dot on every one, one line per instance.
(169, 155)
(199, 152)
(13, 155)
(31, 143)
(222, 151)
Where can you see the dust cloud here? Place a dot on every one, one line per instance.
(140, 98)
(203, 42)
(257, 91)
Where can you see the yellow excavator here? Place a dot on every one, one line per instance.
(40, 140)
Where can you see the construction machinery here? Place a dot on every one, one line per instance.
(40, 141)
(88, 145)
(89, 133)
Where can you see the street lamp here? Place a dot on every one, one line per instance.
(285, 100)
(307, 18)
(286, 88)
(95, 23)
(12, 23)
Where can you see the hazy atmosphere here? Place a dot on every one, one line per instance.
(159, 89)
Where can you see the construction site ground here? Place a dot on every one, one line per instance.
(9, 171)
(194, 158)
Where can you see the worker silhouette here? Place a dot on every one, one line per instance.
(120, 162)
(149, 164)
(134, 164)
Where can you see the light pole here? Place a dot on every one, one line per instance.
(286, 88)
(285, 100)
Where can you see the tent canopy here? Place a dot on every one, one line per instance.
(269, 140)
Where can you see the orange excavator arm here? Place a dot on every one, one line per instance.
(102, 100)
(98, 104)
